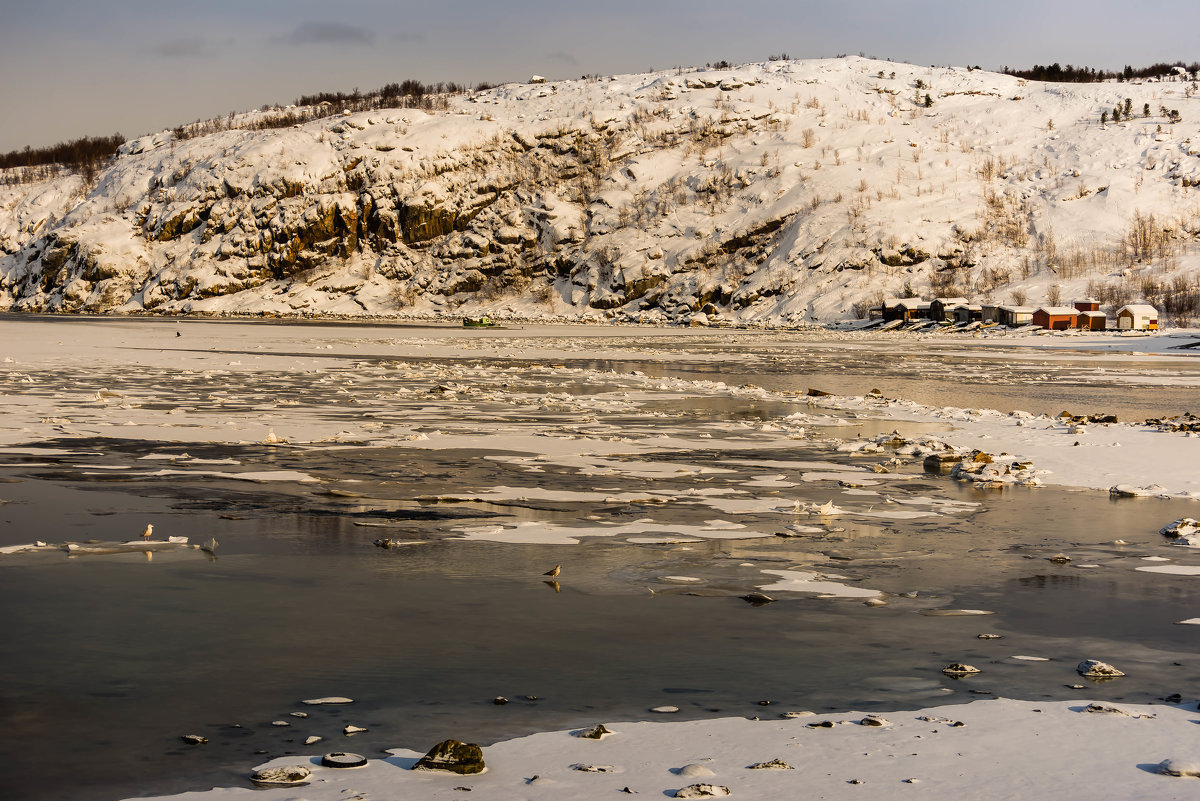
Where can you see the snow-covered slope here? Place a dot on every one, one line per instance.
(775, 192)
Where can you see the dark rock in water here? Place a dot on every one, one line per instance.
(757, 598)
(1060, 559)
(194, 739)
(282, 775)
(818, 393)
(1185, 529)
(499, 700)
(959, 669)
(453, 756)
(1095, 669)
(339, 759)
(940, 462)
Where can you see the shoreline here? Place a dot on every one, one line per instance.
(984, 749)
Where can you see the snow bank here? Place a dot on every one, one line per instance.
(974, 752)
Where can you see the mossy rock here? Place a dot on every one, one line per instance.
(453, 756)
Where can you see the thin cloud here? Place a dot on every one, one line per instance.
(185, 48)
(562, 58)
(321, 33)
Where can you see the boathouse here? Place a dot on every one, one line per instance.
(968, 313)
(1137, 317)
(940, 309)
(1014, 316)
(913, 309)
(1093, 321)
(1056, 318)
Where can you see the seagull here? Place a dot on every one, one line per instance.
(552, 573)
(149, 532)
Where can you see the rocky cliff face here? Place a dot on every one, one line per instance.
(785, 191)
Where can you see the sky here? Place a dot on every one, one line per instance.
(72, 68)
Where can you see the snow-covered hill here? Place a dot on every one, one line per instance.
(780, 192)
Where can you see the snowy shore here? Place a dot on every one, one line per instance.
(988, 749)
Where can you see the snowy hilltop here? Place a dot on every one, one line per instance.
(774, 193)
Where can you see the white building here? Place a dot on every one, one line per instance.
(1137, 317)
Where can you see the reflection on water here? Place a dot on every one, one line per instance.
(299, 603)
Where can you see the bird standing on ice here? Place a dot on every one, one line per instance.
(552, 573)
(149, 532)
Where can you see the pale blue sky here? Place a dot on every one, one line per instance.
(76, 67)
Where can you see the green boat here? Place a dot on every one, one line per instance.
(478, 322)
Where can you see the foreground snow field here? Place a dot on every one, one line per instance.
(517, 395)
(994, 749)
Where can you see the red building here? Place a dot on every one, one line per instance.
(1056, 318)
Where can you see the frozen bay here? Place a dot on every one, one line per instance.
(633, 457)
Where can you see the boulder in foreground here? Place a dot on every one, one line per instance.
(282, 775)
(453, 756)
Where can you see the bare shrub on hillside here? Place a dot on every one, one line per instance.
(1147, 239)
(862, 308)
(1006, 218)
(988, 169)
(403, 295)
(1112, 295)
(1178, 299)
(945, 284)
(990, 279)
(1045, 250)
